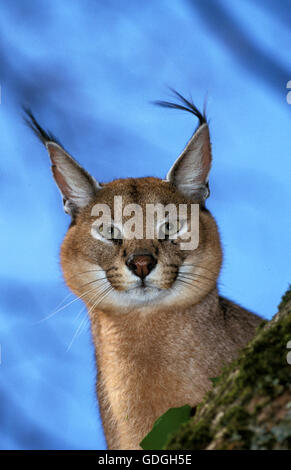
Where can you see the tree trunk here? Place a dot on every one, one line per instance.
(249, 406)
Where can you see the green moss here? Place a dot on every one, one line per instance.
(249, 387)
(236, 433)
(192, 437)
(233, 416)
(261, 326)
(262, 366)
(285, 299)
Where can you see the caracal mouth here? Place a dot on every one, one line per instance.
(144, 289)
(143, 293)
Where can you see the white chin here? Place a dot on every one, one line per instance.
(143, 294)
(139, 296)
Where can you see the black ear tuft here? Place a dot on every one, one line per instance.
(183, 105)
(41, 134)
(76, 185)
(190, 171)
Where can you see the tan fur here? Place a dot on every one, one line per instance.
(158, 355)
(159, 335)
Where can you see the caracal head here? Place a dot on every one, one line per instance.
(139, 244)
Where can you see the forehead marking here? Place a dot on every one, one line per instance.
(133, 191)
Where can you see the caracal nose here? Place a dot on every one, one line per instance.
(141, 265)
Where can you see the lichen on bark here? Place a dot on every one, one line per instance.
(249, 406)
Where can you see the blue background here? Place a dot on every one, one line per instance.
(89, 69)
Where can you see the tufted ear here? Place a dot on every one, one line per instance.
(77, 187)
(190, 171)
(75, 184)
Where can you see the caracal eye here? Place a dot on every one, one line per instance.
(110, 232)
(170, 228)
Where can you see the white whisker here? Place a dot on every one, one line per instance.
(67, 305)
(76, 333)
(105, 291)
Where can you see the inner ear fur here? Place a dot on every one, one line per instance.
(190, 172)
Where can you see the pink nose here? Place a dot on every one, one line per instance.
(141, 265)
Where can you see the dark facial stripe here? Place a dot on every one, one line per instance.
(133, 191)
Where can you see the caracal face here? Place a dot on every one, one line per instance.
(121, 272)
(102, 271)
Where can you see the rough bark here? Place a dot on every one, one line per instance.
(249, 406)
